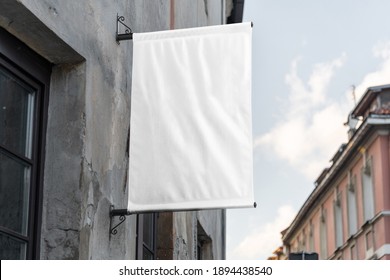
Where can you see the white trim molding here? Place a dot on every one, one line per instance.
(384, 250)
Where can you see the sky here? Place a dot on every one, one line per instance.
(307, 56)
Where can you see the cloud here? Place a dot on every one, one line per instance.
(304, 97)
(381, 76)
(311, 129)
(262, 241)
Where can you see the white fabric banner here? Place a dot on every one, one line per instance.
(191, 122)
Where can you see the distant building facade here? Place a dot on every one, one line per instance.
(65, 94)
(278, 254)
(347, 216)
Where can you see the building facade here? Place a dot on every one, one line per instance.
(347, 216)
(65, 94)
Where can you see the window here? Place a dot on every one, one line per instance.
(352, 205)
(299, 244)
(368, 190)
(204, 244)
(24, 83)
(304, 242)
(353, 252)
(385, 102)
(323, 235)
(146, 236)
(338, 218)
(311, 237)
(369, 238)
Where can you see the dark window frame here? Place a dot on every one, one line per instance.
(140, 244)
(19, 59)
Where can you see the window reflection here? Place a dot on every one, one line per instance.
(16, 114)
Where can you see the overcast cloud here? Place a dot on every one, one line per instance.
(264, 238)
(381, 76)
(311, 128)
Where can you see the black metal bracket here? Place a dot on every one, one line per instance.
(122, 213)
(128, 34)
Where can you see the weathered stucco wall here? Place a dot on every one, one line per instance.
(88, 120)
(87, 132)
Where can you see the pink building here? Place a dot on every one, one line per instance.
(347, 216)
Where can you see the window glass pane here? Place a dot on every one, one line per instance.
(323, 239)
(148, 230)
(147, 255)
(369, 241)
(14, 193)
(11, 248)
(368, 197)
(16, 113)
(385, 101)
(353, 252)
(339, 226)
(352, 213)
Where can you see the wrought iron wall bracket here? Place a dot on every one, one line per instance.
(122, 213)
(128, 34)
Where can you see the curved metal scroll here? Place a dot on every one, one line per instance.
(128, 35)
(122, 213)
(114, 230)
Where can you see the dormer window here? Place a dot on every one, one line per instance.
(375, 101)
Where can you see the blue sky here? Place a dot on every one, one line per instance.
(307, 54)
